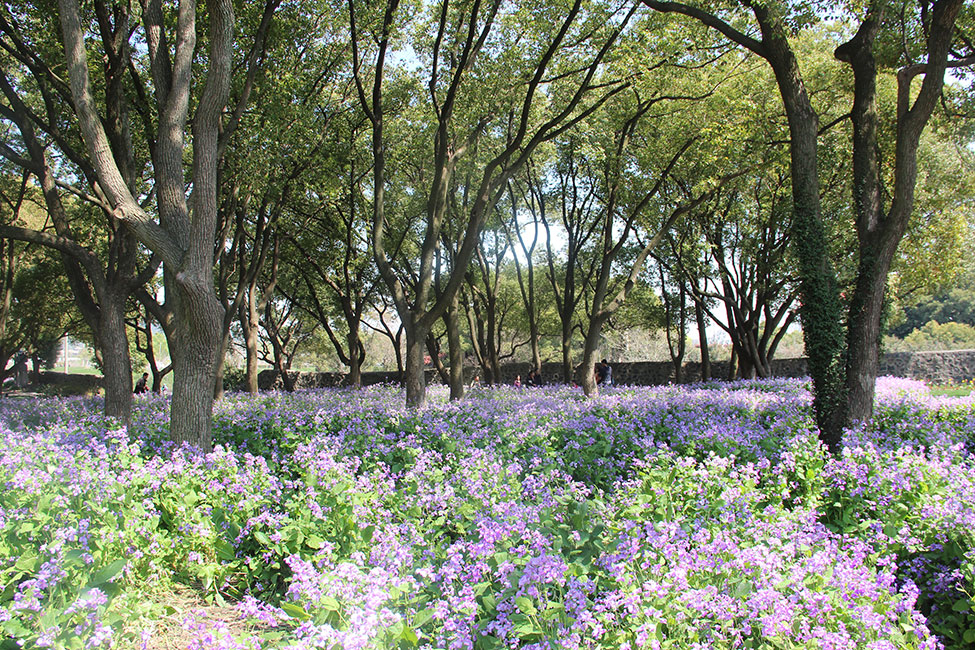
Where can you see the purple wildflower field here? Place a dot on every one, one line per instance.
(692, 517)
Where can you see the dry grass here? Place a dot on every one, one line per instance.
(167, 632)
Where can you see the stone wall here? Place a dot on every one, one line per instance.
(69, 384)
(946, 367)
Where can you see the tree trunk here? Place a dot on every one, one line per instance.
(491, 337)
(250, 345)
(454, 349)
(414, 380)
(866, 315)
(821, 311)
(567, 352)
(878, 231)
(116, 362)
(587, 374)
(355, 355)
(221, 365)
(702, 333)
(197, 332)
(433, 349)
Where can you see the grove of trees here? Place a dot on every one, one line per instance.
(482, 177)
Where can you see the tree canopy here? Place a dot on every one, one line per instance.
(507, 178)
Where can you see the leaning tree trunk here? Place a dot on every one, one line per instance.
(587, 375)
(702, 333)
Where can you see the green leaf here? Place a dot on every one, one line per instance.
(314, 541)
(16, 629)
(107, 573)
(480, 588)
(295, 611)
(26, 563)
(225, 550)
(525, 605)
(961, 605)
(329, 604)
(525, 629)
(422, 617)
(367, 533)
(409, 635)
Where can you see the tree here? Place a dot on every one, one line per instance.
(285, 332)
(475, 41)
(267, 198)
(184, 234)
(102, 272)
(331, 275)
(751, 276)
(142, 322)
(844, 367)
(573, 195)
(524, 258)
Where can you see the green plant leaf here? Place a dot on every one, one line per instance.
(105, 574)
(422, 617)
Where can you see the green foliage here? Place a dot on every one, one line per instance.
(955, 306)
(936, 336)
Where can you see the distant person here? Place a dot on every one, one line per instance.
(141, 386)
(20, 371)
(599, 372)
(533, 378)
(518, 381)
(607, 373)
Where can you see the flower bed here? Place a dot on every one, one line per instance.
(691, 517)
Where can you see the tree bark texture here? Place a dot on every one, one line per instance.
(184, 235)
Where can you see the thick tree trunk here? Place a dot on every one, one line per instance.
(355, 355)
(866, 315)
(821, 311)
(746, 365)
(492, 352)
(250, 324)
(157, 377)
(414, 381)
(197, 331)
(116, 362)
(879, 232)
(732, 364)
(218, 390)
(587, 374)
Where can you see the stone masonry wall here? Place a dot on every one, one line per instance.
(954, 366)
